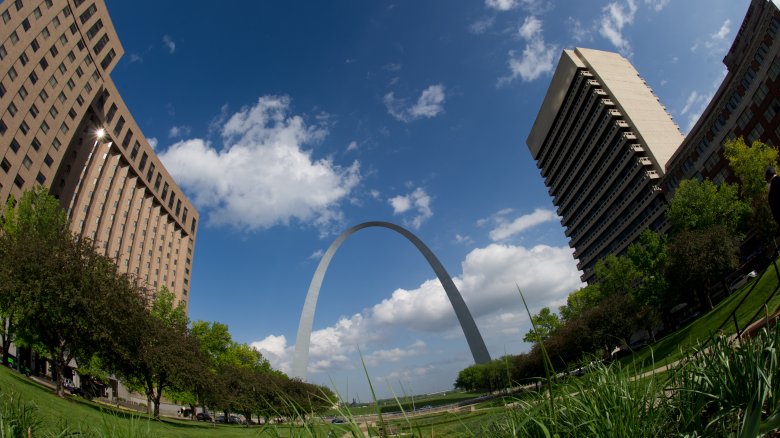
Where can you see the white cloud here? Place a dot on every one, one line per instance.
(169, 43)
(135, 57)
(262, 176)
(616, 16)
(179, 131)
(717, 42)
(418, 200)
(375, 194)
(152, 142)
(428, 105)
(501, 5)
(352, 146)
(506, 229)
(275, 349)
(395, 354)
(530, 28)
(489, 284)
(579, 32)
(465, 240)
(316, 255)
(537, 58)
(481, 26)
(657, 4)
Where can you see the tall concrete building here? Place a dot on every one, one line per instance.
(56, 97)
(602, 141)
(747, 103)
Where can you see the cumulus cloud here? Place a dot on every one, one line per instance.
(505, 228)
(152, 142)
(170, 44)
(418, 201)
(537, 57)
(394, 354)
(488, 283)
(352, 146)
(262, 175)
(578, 31)
(616, 15)
(428, 105)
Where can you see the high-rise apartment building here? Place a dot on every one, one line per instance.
(747, 103)
(56, 95)
(602, 140)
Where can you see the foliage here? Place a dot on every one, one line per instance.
(700, 205)
(649, 256)
(698, 259)
(616, 275)
(545, 323)
(749, 164)
(579, 301)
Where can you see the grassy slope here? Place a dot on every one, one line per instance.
(671, 347)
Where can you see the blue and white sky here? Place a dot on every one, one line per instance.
(287, 122)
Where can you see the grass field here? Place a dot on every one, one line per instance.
(672, 347)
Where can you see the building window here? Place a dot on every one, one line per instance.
(34, 44)
(6, 16)
(134, 151)
(26, 162)
(14, 145)
(5, 165)
(94, 29)
(110, 113)
(45, 32)
(88, 13)
(71, 56)
(760, 94)
(164, 191)
(72, 113)
(14, 38)
(33, 77)
(119, 125)
(19, 181)
(56, 143)
(35, 144)
(23, 58)
(48, 160)
(3, 127)
(54, 51)
(157, 182)
(22, 92)
(44, 63)
(12, 73)
(45, 127)
(53, 111)
(150, 173)
(26, 25)
(12, 109)
(3, 52)
(43, 95)
(126, 140)
(24, 127)
(107, 60)
(144, 157)
(100, 44)
(52, 81)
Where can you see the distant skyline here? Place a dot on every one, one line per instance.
(288, 122)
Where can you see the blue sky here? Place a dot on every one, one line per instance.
(288, 122)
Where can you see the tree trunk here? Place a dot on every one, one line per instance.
(158, 396)
(59, 370)
(192, 411)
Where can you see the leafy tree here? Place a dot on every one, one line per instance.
(38, 218)
(698, 259)
(699, 205)
(166, 355)
(649, 254)
(546, 323)
(749, 164)
(579, 301)
(616, 275)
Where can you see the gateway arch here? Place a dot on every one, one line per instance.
(473, 337)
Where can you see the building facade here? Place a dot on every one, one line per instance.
(64, 125)
(747, 103)
(601, 141)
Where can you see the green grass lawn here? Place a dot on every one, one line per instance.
(408, 403)
(673, 346)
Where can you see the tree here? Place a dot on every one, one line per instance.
(615, 275)
(749, 164)
(651, 294)
(546, 324)
(699, 205)
(166, 355)
(579, 301)
(698, 259)
(36, 218)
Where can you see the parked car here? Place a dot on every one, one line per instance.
(203, 416)
(338, 420)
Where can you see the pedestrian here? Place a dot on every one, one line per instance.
(774, 192)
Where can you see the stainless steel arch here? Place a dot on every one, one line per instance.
(473, 337)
